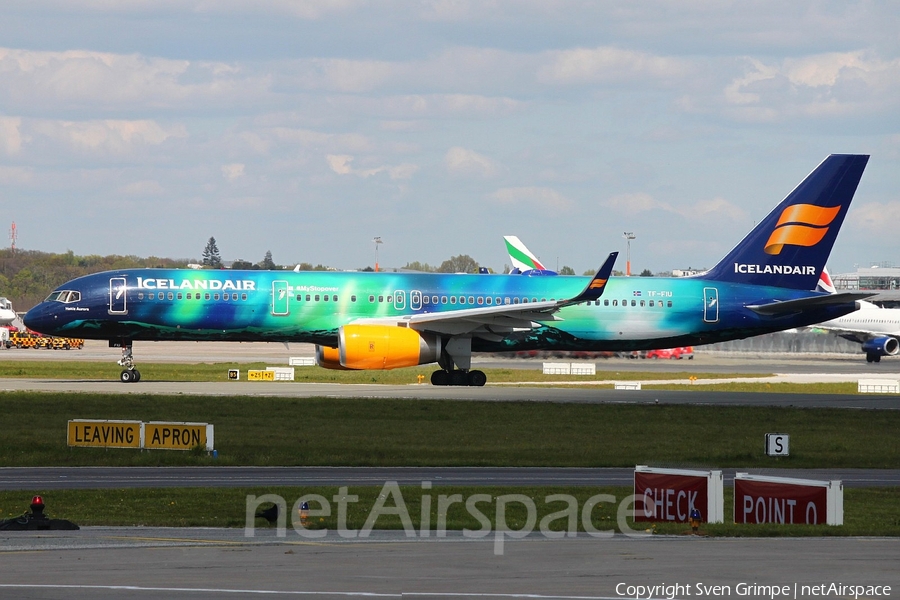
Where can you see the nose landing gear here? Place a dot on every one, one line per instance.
(129, 374)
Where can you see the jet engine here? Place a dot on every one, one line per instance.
(880, 346)
(329, 358)
(379, 347)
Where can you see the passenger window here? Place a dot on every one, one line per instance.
(425, 299)
(243, 296)
(171, 296)
(381, 298)
(353, 298)
(669, 304)
(615, 302)
(179, 295)
(634, 303)
(472, 300)
(140, 295)
(334, 298)
(206, 295)
(371, 298)
(480, 300)
(215, 296)
(325, 297)
(234, 296)
(434, 300)
(452, 299)
(443, 299)
(606, 302)
(299, 297)
(651, 303)
(490, 300)
(643, 303)
(390, 299)
(316, 297)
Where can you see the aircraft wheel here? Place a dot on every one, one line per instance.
(126, 376)
(877, 358)
(459, 378)
(870, 357)
(440, 377)
(137, 375)
(477, 378)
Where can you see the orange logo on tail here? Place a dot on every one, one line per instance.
(800, 225)
(597, 284)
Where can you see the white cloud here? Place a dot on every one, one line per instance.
(82, 80)
(108, 136)
(820, 85)
(542, 198)
(147, 187)
(712, 210)
(10, 135)
(340, 164)
(468, 162)
(609, 64)
(875, 218)
(233, 171)
(16, 175)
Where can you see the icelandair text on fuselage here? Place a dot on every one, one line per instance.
(196, 284)
(774, 269)
(755, 590)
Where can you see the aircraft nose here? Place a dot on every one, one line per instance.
(42, 318)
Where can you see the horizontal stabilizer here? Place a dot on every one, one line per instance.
(800, 304)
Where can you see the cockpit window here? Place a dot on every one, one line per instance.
(65, 296)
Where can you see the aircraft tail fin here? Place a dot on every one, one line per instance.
(825, 284)
(790, 246)
(520, 256)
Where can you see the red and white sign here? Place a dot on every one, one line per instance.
(669, 495)
(787, 501)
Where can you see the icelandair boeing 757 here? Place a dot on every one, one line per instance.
(391, 320)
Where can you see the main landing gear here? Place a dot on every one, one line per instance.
(455, 362)
(458, 377)
(129, 374)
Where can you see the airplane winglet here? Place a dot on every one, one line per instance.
(595, 288)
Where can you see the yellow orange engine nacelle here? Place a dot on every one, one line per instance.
(384, 347)
(329, 358)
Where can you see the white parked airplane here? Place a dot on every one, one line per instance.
(7, 314)
(876, 328)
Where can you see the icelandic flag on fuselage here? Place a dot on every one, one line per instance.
(790, 246)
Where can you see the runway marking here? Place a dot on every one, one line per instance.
(137, 588)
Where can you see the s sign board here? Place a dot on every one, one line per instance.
(778, 444)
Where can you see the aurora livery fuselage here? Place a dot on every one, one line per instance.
(385, 320)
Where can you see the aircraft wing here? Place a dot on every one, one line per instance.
(774, 309)
(854, 335)
(493, 322)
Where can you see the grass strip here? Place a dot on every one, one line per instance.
(219, 372)
(273, 431)
(867, 512)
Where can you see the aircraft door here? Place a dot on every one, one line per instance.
(710, 305)
(117, 296)
(399, 299)
(415, 300)
(280, 297)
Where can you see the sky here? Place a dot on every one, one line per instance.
(308, 128)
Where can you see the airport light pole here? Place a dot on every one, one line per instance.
(628, 237)
(377, 241)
